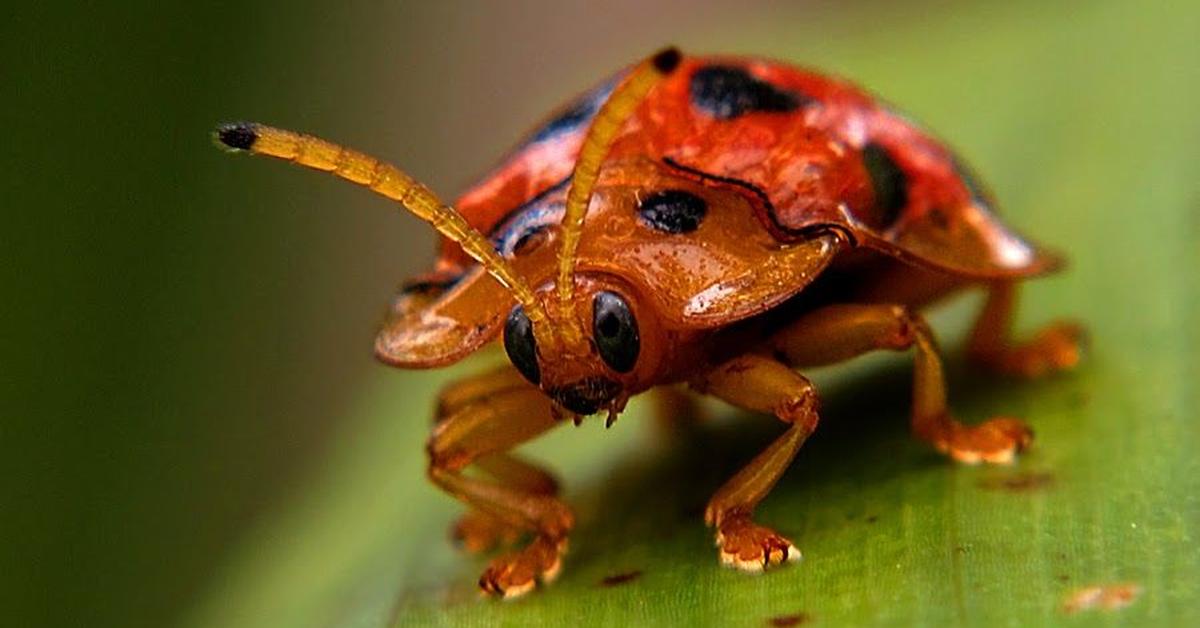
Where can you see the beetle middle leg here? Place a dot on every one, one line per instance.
(838, 332)
(765, 385)
(479, 432)
(1056, 347)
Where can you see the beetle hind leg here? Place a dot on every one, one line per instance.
(1056, 347)
(839, 332)
(765, 385)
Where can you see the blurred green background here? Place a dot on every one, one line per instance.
(193, 429)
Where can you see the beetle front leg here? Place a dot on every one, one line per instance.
(477, 531)
(839, 332)
(1057, 347)
(764, 385)
(480, 432)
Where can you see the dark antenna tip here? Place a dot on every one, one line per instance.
(667, 60)
(237, 135)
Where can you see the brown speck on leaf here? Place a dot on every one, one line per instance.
(1107, 597)
(1021, 483)
(621, 578)
(1062, 577)
(789, 620)
(872, 519)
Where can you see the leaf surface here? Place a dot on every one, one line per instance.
(1084, 116)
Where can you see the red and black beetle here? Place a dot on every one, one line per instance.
(709, 221)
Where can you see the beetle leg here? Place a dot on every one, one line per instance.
(479, 432)
(838, 332)
(1056, 347)
(477, 531)
(765, 385)
(472, 388)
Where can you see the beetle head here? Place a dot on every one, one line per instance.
(605, 362)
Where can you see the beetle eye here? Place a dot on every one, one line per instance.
(615, 331)
(521, 346)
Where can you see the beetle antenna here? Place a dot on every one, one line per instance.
(596, 144)
(388, 181)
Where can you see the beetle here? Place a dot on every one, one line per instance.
(718, 223)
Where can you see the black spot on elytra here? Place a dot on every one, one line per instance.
(726, 92)
(798, 233)
(673, 211)
(237, 135)
(889, 182)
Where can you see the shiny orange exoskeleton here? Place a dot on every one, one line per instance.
(714, 223)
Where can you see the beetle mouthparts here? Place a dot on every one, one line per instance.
(587, 395)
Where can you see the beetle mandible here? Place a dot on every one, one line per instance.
(718, 223)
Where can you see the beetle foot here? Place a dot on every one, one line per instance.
(1057, 347)
(477, 532)
(996, 440)
(748, 546)
(516, 574)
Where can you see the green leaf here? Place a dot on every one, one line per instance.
(1085, 118)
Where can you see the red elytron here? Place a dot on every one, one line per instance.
(717, 223)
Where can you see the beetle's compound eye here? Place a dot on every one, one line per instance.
(521, 346)
(615, 331)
